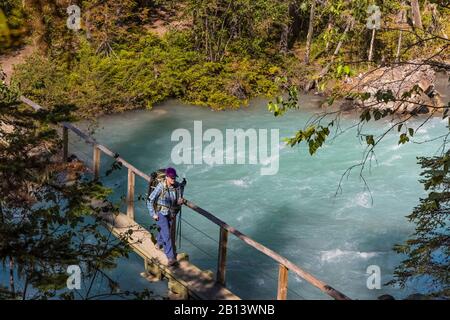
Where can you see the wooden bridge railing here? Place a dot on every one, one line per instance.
(284, 264)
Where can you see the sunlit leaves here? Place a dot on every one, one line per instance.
(403, 139)
(280, 106)
(8, 96)
(314, 136)
(343, 70)
(370, 140)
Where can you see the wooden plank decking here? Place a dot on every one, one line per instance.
(199, 284)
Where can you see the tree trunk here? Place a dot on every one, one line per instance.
(436, 25)
(416, 17)
(284, 38)
(25, 287)
(371, 44)
(208, 52)
(329, 27)
(399, 46)
(400, 21)
(11, 276)
(310, 31)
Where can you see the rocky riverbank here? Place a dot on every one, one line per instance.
(404, 88)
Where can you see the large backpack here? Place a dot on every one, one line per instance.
(159, 176)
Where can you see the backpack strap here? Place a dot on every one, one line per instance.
(165, 190)
(162, 194)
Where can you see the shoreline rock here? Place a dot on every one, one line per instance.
(412, 84)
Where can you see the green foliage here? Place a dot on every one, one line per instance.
(428, 250)
(375, 114)
(343, 70)
(314, 136)
(229, 53)
(223, 57)
(281, 106)
(143, 73)
(46, 224)
(13, 28)
(5, 39)
(8, 97)
(370, 140)
(244, 27)
(403, 139)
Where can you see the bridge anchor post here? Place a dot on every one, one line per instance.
(176, 290)
(152, 271)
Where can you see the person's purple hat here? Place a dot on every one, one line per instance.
(171, 172)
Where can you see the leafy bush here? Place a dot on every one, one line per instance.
(12, 25)
(142, 73)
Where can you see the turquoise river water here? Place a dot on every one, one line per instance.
(295, 212)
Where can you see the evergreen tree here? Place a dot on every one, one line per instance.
(47, 219)
(428, 250)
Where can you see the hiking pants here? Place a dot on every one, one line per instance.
(164, 238)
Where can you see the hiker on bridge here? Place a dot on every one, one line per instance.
(164, 202)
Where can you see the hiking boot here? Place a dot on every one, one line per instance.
(172, 263)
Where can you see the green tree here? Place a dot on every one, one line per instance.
(13, 25)
(47, 218)
(221, 26)
(428, 250)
